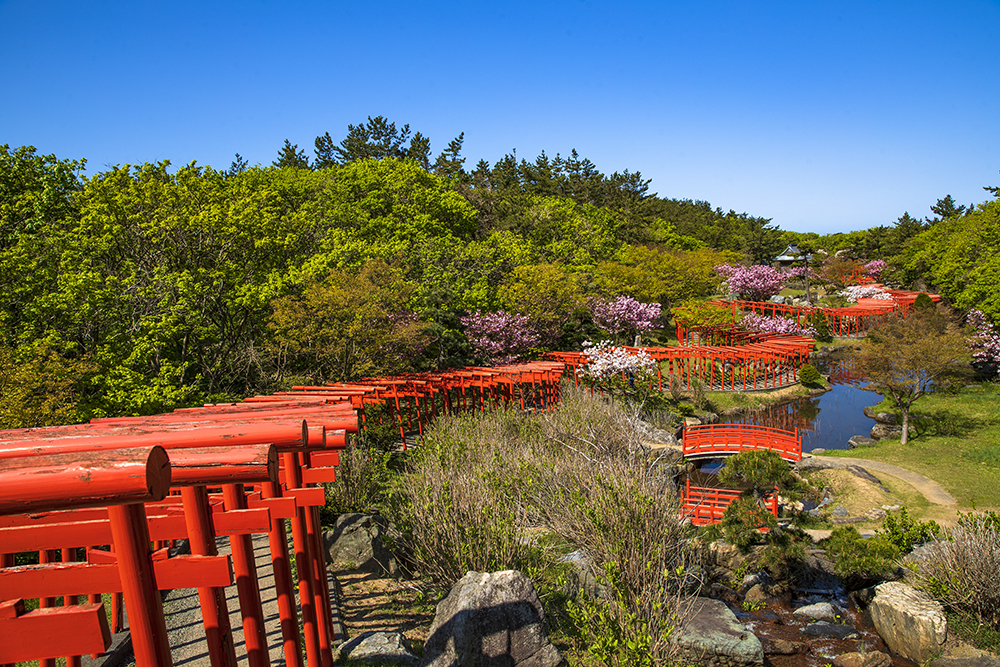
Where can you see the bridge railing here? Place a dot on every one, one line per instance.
(716, 440)
(707, 505)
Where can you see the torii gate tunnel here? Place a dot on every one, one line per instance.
(102, 503)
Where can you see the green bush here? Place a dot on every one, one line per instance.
(861, 562)
(363, 479)
(808, 375)
(905, 532)
(743, 520)
(822, 328)
(923, 302)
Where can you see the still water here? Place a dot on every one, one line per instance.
(827, 421)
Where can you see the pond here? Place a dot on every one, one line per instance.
(827, 421)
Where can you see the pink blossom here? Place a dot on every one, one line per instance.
(501, 337)
(985, 342)
(752, 283)
(625, 315)
(778, 325)
(607, 362)
(874, 267)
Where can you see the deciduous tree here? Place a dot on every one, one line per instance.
(904, 359)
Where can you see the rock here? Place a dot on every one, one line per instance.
(875, 514)
(840, 511)
(869, 659)
(869, 411)
(655, 435)
(777, 299)
(825, 629)
(821, 611)
(857, 441)
(692, 421)
(355, 543)
(711, 635)
(886, 418)
(725, 555)
(490, 619)
(581, 579)
(967, 661)
(768, 593)
(862, 473)
(378, 648)
(708, 418)
(784, 647)
(862, 597)
(818, 450)
(890, 508)
(910, 622)
(889, 432)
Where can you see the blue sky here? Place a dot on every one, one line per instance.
(824, 116)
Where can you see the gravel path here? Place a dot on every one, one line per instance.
(928, 487)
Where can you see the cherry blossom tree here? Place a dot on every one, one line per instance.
(752, 283)
(500, 337)
(625, 316)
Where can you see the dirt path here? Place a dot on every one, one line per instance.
(930, 489)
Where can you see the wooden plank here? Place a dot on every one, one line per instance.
(54, 632)
(318, 475)
(280, 508)
(49, 480)
(54, 579)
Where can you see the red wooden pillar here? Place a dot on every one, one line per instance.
(278, 541)
(214, 612)
(300, 540)
(142, 599)
(245, 569)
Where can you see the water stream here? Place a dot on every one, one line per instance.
(827, 421)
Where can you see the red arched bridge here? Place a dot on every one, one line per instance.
(705, 505)
(719, 440)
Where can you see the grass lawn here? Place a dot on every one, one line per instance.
(958, 445)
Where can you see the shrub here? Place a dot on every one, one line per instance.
(961, 571)
(808, 375)
(905, 532)
(743, 520)
(362, 479)
(923, 302)
(820, 326)
(861, 562)
(483, 483)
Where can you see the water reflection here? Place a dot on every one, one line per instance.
(826, 421)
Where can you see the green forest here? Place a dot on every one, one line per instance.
(147, 287)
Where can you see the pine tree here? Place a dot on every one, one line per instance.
(291, 156)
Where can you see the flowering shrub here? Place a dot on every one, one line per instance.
(874, 268)
(615, 368)
(500, 337)
(778, 325)
(752, 283)
(801, 272)
(625, 315)
(856, 292)
(985, 341)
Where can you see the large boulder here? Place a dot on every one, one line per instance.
(910, 622)
(711, 635)
(355, 543)
(378, 648)
(490, 619)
